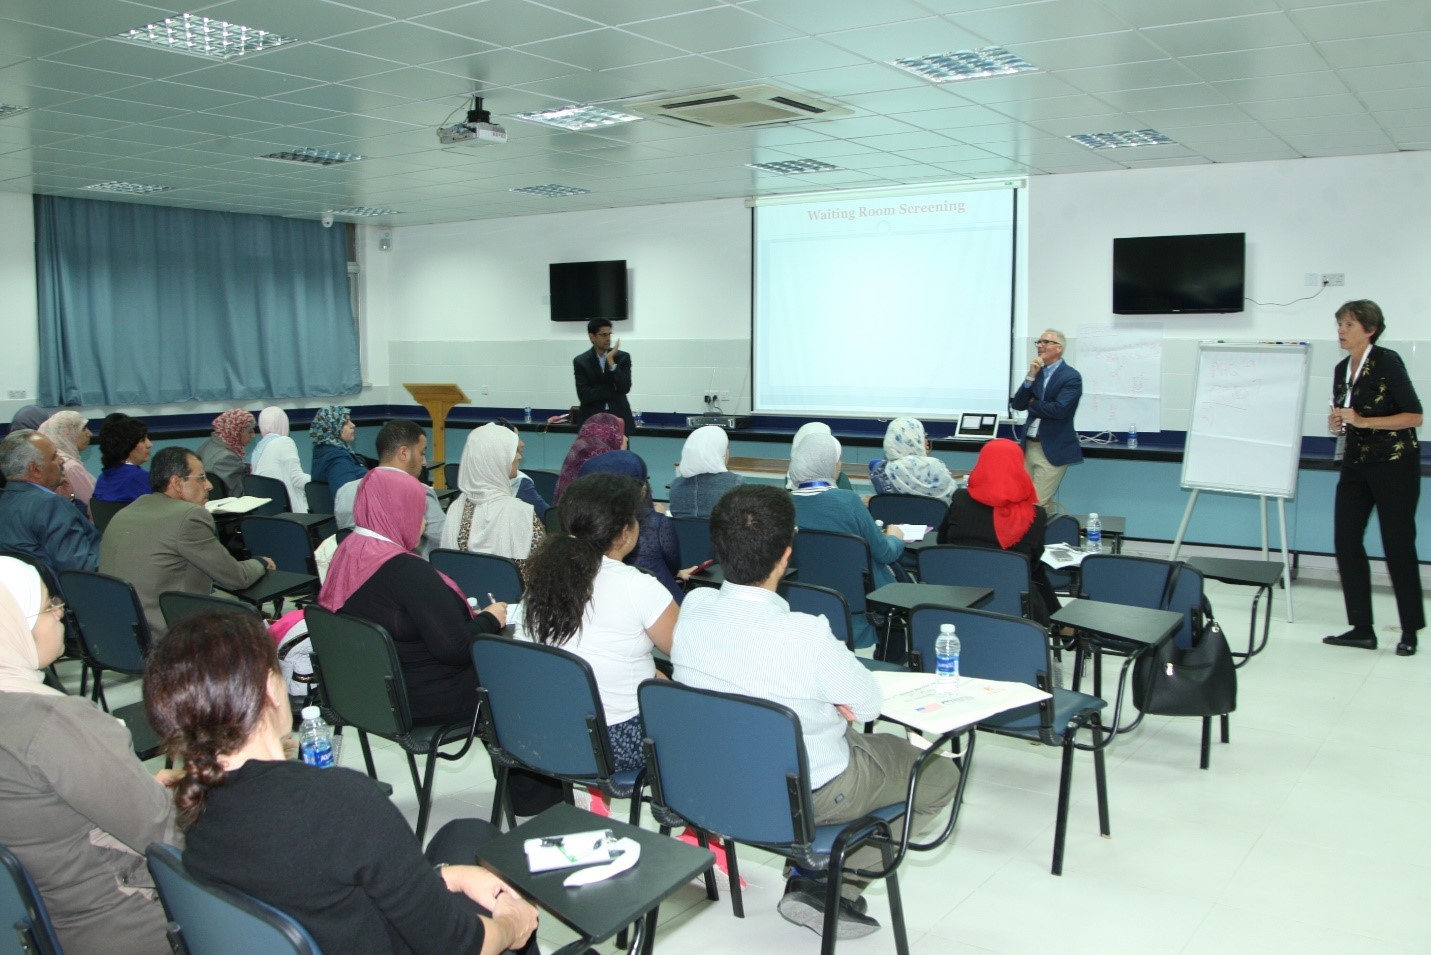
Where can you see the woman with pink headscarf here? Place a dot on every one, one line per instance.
(601, 433)
(276, 456)
(69, 430)
(223, 453)
(375, 575)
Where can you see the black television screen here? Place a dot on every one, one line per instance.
(581, 291)
(1162, 274)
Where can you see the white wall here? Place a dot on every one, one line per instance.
(18, 367)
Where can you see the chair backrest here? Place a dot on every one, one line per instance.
(553, 520)
(287, 542)
(22, 910)
(480, 574)
(693, 534)
(207, 919)
(358, 670)
(729, 764)
(542, 707)
(103, 511)
(545, 482)
(110, 617)
(175, 605)
(218, 487)
(1132, 581)
(835, 560)
(823, 602)
(1006, 572)
(992, 646)
(450, 472)
(256, 485)
(1185, 596)
(319, 496)
(908, 509)
(1062, 529)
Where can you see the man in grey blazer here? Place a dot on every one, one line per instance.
(167, 540)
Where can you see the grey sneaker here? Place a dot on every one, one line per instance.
(804, 904)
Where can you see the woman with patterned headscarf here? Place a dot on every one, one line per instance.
(334, 460)
(222, 455)
(276, 456)
(907, 467)
(70, 433)
(601, 433)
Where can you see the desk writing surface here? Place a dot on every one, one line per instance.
(276, 583)
(1232, 570)
(914, 700)
(905, 596)
(1119, 621)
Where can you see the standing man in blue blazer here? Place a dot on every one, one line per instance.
(603, 376)
(1050, 394)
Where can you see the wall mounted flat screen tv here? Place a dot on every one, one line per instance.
(581, 291)
(1169, 274)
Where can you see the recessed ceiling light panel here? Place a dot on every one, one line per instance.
(578, 117)
(792, 167)
(966, 64)
(202, 36)
(1122, 139)
(313, 157)
(364, 211)
(552, 191)
(132, 188)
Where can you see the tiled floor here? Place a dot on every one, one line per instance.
(1306, 835)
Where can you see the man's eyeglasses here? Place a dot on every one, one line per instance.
(1047, 341)
(196, 477)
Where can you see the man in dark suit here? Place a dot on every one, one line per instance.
(1050, 394)
(166, 540)
(39, 516)
(603, 376)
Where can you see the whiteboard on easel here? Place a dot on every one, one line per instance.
(1246, 434)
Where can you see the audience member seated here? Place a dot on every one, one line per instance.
(28, 418)
(334, 461)
(1000, 509)
(743, 638)
(602, 432)
(523, 487)
(801, 433)
(166, 540)
(123, 446)
(79, 808)
(701, 477)
(70, 432)
(487, 518)
(907, 467)
(276, 456)
(657, 551)
(325, 846)
(375, 575)
(402, 446)
(222, 454)
(39, 517)
(581, 597)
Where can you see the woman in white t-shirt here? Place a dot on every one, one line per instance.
(581, 597)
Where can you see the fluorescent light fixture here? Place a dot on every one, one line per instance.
(132, 188)
(6, 110)
(552, 191)
(364, 211)
(1122, 139)
(577, 117)
(792, 167)
(966, 64)
(202, 36)
(313, 157)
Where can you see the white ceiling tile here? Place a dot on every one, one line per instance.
(1364, 19)
(1101, 79)
(1244, 64)
(1249, 152)
(1231, 34)
(507, 22)
(1051, 19)
(720, 28)
(1149, 13)
(908, 38)
(305, 20)
(615, 12)
(1285, 86)
(1278, 109)
(1377, 50)
(789, 56)
(603, 49)
(850, 80)
(684, 73)
(830, 15)
(408, 43)
(1168, 97)
(1396, 76)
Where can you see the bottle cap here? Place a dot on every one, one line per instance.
(311, 712)
(1093, 516)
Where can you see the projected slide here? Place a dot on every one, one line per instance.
(884, 306)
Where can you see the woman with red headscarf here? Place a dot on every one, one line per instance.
(223, 453)
(601, 433)
(1000, 509)
(375, 575)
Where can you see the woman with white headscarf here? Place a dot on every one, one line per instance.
(701, 477)
(907, 467)
(80, 809)
(276, 456)
(803, 432)
(488, 518)
(69, 430)
(821, 506)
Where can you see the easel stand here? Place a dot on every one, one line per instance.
(1281, 517)
(438, 400)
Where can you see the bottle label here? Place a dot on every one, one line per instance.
(318, 752)
(946, 668)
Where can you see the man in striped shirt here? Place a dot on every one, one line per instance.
(743, 638)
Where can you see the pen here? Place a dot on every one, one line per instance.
(490, 599)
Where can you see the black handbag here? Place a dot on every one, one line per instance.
(1200, 681)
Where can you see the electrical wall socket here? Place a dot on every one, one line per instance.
(1312, 279)
(484, 389)
(1334, 278)
(725, 396)
(19, 393)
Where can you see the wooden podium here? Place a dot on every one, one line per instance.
(438, 400)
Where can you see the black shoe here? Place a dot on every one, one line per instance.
(1362, 639)
(1407, 646)
(804, 904)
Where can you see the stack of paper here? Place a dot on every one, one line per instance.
(236, 505)
(915, 700)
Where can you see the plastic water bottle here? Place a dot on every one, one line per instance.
(1095, 535)
(315, 739)
(1132, 437)
(527, 415)
(639, 422)
(946, 661)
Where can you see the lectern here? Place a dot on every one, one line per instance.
(438, 400)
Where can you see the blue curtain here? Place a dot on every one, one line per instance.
(153, 304)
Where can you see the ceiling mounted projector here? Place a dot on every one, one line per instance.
(478, 130)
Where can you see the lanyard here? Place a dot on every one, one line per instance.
(814, 485)
(364, 532)
(1354, 378)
